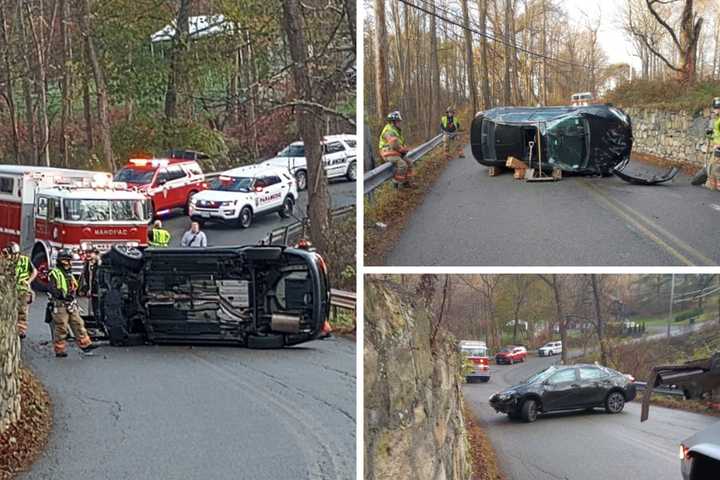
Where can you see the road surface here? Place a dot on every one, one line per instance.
(470, 219)
(187, 412)
(582, 445)
(342, 193)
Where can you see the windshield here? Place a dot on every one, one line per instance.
(293, 151)
(83, 210)
(231, 184)
(566, 143)
(132, 175)
(475, 351)
(504, 350)
(541, 376)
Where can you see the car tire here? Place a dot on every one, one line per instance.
(351, 174)
(246, 217)
(287, 207)
(700, 177)
(127, 257)
(614, 402)
(528, 411)
(301, 179)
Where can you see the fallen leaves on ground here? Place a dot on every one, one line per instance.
(23, 442)
(484, 461)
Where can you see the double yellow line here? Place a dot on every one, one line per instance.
(681, 250)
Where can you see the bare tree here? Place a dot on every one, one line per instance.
(555, 284)
(469, 59)
(599, 321)
(180, 45)
(381, 94)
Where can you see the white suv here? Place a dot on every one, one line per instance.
(550, 348)
(238, 195)
(339, 158)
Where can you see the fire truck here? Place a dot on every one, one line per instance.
(46, 209)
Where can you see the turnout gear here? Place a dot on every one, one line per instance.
(449, 123)
(24, 271)
(66, 312)
(393, 149)
(159, 237)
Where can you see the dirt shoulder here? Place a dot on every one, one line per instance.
(484, 461)
(393, 208)
(23, 442)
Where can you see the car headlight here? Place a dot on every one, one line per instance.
(229, 204)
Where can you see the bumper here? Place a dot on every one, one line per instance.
(686, 467)
(504, 406)
(630, 393)
(501, 360)
(479, 376)
(217, 214)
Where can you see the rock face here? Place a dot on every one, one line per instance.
(677, 136)
(9, 348)
(414, 426)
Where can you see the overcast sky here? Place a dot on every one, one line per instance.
(613, 39)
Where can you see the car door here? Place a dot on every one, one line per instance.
(177, 186)
(271, 195)
(334, 159)
(561, 390)
(594, 382)
(160, 187)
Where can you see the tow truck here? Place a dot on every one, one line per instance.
(47, 209)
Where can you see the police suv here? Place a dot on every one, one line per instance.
(339, 157)
(238, 195)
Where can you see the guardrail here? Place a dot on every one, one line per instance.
(291, 234)
(379, 175)
(343, 299)
(662, 390)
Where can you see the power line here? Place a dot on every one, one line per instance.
(487, 35)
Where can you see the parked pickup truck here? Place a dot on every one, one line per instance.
(255, 296)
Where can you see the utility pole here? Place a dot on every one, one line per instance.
(672, 294)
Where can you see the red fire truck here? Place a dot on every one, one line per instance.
(47, 209)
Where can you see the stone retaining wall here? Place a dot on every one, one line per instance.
(9, 348)
(676, 136)
(414, 426)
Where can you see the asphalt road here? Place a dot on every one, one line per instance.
(342, 193)
(471, 219)
(582, 445)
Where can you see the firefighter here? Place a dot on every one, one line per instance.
(159, 237)
(65, 309)
(393, 149)
(449, 126)
(25, 273)
(713, 169)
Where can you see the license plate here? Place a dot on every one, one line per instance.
(205, 214)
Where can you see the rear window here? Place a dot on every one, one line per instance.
(293, 151)
(475, 351)
(351, 143)
(133, 175)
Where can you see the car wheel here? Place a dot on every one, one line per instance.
(245, 218)
(700, 177)
(352, 172)
(287, 207)
(615, 402)
(301, 179)
(127, 257)
(528, 411)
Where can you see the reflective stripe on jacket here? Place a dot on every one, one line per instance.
(391, 138)
(160, 237)
(454, 123)
(60, 281)
(716, 132)
(23, 270)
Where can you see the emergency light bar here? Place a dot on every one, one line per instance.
(147, 162)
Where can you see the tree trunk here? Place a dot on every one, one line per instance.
(381, 49)
(599, 320)
(30, 122)
(435, 74)
(65, 84)
(177, 54)
(100, 86)
(469, 59)
(506, 77)
(87, 108)
(9, 84)
(308, 121)
(484, 74)
(544, 59)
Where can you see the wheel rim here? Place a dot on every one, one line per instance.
(352, 171)
(301, 180)
(288, 207)
(245, 218)
(615, 402)
(532, 411)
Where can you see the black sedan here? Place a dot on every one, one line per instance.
(566, 387)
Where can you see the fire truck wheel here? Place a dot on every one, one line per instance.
(287, 208)
(40, 261)
(128, 257)
(246, 217)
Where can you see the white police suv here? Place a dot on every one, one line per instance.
(339, 156)
(238, 195)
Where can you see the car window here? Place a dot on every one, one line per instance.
(132, 175)
(162, 176)
(260, 183)
(175, 173)
(334, 147)
(272, 180)
(292, 151)
(6, 185)
(590, 373)
(563, 376)
(351, 143)
(194, 169)
(42, 207)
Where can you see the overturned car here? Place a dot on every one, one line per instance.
(586, 140)
(255, 296)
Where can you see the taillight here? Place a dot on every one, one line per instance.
(684, 452)
(321, 262)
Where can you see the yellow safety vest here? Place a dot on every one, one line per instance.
(455, 122)
(58, 276)
(716, 132)
(391, 138)
(160, 237)
(22, 273)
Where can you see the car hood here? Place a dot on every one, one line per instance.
(706, 442)
(517, 389)
(220, 196)
(283, 161)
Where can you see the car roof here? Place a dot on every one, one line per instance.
(254, 171)
(92, 193)
(22, 169)
(155, 163)
(331, 138)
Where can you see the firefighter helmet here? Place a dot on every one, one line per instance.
(64, 256)
(394, 116)
(13, 248)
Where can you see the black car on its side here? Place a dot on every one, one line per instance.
(565, 387)
(700, 455)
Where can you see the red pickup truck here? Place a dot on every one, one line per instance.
(511, 354)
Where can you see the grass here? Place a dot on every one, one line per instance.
(665, 95)
(393, 208)
(343, 322)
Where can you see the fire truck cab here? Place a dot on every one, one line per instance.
(46, 209)
(477, 360)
